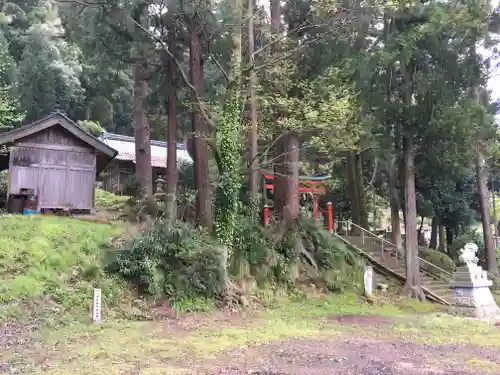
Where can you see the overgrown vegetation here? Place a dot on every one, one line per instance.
(438, 258)
(178, 262)
(105, 200)
(182, 262)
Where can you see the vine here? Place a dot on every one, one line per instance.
(230, 140)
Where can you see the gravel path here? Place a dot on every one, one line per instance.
(358, 357)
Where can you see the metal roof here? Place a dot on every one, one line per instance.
(126, 150)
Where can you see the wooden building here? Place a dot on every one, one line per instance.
(57, 160)
(121, 170)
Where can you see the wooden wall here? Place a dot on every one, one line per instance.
(60, 168)
(119, 172)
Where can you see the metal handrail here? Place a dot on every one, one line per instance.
(367, 231)
(390, 243)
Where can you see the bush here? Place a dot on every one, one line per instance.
(256, 257)
(470, 235)
(253, 254)
(180, 262)
(437, 258)
(109, 201)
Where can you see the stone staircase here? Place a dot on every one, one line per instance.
(387, 261)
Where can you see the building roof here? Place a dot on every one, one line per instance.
(53, 119)
(126, 150)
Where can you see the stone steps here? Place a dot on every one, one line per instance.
(387, 258)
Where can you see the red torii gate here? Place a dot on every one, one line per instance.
(313, 185)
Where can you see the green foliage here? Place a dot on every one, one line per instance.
(101, 111)
(108, 201)
(438, 258)
(255, 257)
(229, 137)
(10, 113)
(91, 127)
(179, 262)
(469, 236)
(4, 183)
(187, 305)
(50, 266)
(48, 78)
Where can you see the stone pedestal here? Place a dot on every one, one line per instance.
(472, 292)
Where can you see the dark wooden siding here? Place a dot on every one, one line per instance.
(56, 135)
(58, 166)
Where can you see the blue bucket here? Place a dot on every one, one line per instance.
(30, 212)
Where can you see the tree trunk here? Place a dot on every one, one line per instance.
(482, 188)
(286, 150)
(275, 6)
(253, 183)
(434, 234)
(353, 191)
(172, 172)
(412, 264)
(286, 178)
(204, 212)
(142, 133)
(441, 239)
(494, 203)
(363, 214)
(395, 207)
(449, 236)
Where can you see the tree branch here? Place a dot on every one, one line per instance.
(216, 61)
(201, 104)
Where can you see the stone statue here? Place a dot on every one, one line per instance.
(468, 254)
(471, 287)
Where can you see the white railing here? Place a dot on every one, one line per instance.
(390, 248)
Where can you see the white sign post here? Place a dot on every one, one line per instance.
(368, 281)
(96, 306)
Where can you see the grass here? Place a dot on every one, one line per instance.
(50, 266)
(483, 366)
(153, 347)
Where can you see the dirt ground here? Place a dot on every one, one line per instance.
(357, 357)
(349, 344)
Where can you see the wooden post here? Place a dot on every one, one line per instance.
(330, 217)
(266, 215)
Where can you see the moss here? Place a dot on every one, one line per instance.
(51, 265)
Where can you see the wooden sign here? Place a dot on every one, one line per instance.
(96, 306)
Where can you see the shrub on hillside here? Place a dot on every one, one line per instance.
(437, 258)
(109, 201)
(306, 253)
(461, 240)
(179, 262)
